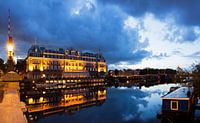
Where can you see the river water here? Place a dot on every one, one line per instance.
(122, 105)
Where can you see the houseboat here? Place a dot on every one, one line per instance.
(178, 104)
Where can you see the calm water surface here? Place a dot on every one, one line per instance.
(122, 105)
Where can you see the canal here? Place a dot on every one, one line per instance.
(122, 105)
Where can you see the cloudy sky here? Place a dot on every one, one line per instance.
(129, 33)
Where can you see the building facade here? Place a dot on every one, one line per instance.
(60, 63)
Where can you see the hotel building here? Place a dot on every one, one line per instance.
(60, 63)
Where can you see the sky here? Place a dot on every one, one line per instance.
(129, 33)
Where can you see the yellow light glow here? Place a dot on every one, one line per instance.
(10, 47)
(30, 101)
(67, 65)
(41, 99)
(102, 92)
(30, 68)
(41, 68)
(43, 75)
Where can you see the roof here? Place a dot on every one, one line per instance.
(181, 93)
(38, 51)
(198, 101)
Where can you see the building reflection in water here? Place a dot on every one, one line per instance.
(46, 97)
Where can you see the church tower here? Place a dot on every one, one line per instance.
(10, 48)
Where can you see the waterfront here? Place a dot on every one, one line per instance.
(122, 105)
(99, 61)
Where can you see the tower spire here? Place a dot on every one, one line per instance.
(9, 27)
(35, 42)
(10, 47)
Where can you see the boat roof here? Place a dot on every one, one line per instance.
(198, 101)
(180, 93)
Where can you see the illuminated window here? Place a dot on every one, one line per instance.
(41, 99)
(30, 101)
(174, 105)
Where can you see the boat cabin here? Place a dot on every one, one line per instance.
(179, 100)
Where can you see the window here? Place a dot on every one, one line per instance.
(35, 62)
(174, 105)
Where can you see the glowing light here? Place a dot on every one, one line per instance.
(30, 101)
(10, 47)
(43, 75)
(30, 68)
(41, 68)
(41, 99)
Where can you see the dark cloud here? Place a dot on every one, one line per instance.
(56, 23)
(185, 11)
(86, 25)
(160, 56)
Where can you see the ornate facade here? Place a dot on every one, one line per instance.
(60, 63)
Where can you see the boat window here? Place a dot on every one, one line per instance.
(174, 105)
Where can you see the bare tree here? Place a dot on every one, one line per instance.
(196, 79)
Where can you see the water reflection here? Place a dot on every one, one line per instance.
(49, 97)
(119, 105)
(137, 105)
(69, 101)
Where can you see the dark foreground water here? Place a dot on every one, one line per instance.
(122, 105)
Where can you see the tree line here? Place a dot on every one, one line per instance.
(20, 67)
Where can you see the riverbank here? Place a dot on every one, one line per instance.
(10, 106)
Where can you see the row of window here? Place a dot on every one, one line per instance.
(65, 57)
(55, 67)
(74, 80)
(61, 63)
(79, 86)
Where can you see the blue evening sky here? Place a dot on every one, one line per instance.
(129, 33)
